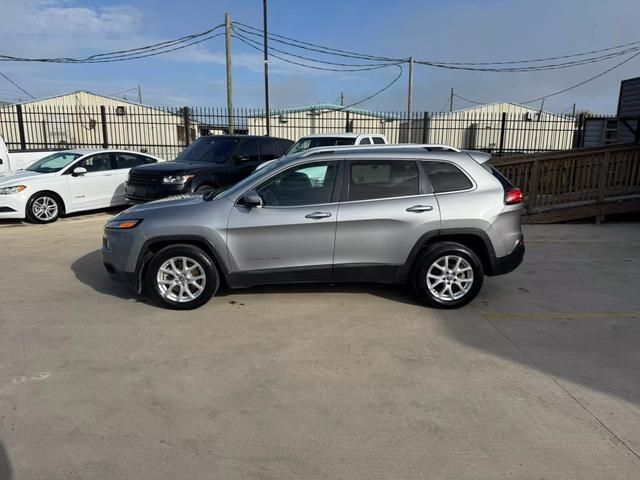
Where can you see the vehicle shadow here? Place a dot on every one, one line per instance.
(89, 270)
(6, 472)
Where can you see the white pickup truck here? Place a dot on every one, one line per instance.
(11, 162)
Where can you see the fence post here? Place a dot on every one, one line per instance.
(533, 187)
(103, 122)
(347, 127)
(187, 127)
(425, 128)
(637, 139)
(23, 141)
(503, 124)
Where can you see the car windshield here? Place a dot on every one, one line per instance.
(209, 149)
(243, 184)
(53, 163)
(313, 142)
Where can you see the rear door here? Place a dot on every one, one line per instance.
(386, 208)
(97, 187)
(291, 237)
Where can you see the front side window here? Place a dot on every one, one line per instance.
(249, 151)
(308, 184)
(371, 179)
(53, 163)
(446, 177)
(96, 163)
(209, 149)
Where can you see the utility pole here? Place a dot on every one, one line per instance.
(266, 68)
(139, 94)
(227, 44)
(451, 101)
(410, 100)
(573, 111)
(342, 99)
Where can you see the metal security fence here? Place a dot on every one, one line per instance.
(165, 131)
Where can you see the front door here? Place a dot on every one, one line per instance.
(291, 236)
(385, 210)
(97, 187)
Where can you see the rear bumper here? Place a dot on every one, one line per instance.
(146, 193)
(508, 263)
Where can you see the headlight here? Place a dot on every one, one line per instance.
(177, 179)
(122, 224)
(10, 190)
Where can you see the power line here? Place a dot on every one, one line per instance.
(386, 87)
(579, 84)
(16, 85)
(129, 54)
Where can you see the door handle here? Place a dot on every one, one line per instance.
(420, 208)
(318, 215)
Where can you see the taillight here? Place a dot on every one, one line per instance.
(513, 196)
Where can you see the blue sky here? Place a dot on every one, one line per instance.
(441, 30)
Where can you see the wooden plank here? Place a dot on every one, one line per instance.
(591, 210)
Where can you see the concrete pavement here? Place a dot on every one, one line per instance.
(538, 378)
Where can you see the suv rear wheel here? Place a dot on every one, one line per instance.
(448, 275)
(182, 277)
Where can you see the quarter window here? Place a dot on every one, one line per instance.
(446, 177)
(378, 140)
(308, 184)
(365, 141)
(383, 179)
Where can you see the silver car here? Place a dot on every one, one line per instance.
(435, 217)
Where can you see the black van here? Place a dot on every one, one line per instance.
(210, 163)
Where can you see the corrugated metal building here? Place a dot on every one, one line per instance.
(74, 119)
(624, 127)
(293, 123)
(526, 129)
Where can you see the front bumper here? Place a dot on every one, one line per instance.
(13, 206)
(145, 193)
(508, 263)
(120, 253)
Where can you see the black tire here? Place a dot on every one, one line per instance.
(435, 294)
(35, 205)
(168, 297)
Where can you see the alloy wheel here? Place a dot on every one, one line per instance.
(450, 278)
(181, 279)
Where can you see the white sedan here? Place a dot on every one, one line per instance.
(66, 182)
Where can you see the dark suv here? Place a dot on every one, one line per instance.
(210, 163)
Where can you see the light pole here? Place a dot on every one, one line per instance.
(266, 68)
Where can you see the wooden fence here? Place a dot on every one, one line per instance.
(574, 184)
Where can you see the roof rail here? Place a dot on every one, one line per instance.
(400, 146)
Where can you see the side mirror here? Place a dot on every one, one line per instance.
(251, 199)
(79, 171)
(242, 158)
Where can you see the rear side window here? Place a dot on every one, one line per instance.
(365, 141)
(378, 140)
(383, 179)
(446, 177)
(129, 160)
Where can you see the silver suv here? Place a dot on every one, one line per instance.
(433, 216)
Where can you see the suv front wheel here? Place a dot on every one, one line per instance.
(448, 275)
(182, 277)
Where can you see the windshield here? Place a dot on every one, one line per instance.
(242, 185)
(53, 163)
(209, 149)
(307, 143)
